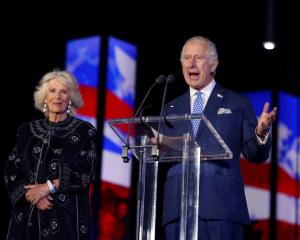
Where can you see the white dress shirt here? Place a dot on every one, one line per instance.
(205, 93)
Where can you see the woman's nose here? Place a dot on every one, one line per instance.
(57, 94)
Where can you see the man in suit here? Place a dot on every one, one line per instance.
(223, 208)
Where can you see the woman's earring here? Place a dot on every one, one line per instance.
(45, 107)
(69, 107)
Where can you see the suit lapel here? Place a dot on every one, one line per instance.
(216, 97)
(182, 106)
(185, 108)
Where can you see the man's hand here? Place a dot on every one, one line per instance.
(265, 120)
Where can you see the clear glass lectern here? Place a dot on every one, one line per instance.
(157, 140)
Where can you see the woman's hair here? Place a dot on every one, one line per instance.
(64, 77)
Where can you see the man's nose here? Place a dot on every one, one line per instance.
(193, 62)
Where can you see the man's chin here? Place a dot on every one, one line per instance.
(196, 84)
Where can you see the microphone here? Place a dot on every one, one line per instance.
(158, 81)
(170, 78)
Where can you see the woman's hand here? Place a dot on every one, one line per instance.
(45, 203)
(36, 192)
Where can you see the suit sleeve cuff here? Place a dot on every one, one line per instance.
(259, 140)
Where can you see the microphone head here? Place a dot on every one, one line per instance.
(170, 78)
(160, 79)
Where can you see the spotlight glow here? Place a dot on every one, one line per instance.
(269, 45)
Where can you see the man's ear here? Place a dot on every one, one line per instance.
(214, 65)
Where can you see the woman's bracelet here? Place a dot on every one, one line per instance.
(51, 187)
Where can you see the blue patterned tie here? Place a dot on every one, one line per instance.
(197, 109)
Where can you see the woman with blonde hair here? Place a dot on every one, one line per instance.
(48, 173)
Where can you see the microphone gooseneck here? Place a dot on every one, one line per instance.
(170, 78)
(158, 81)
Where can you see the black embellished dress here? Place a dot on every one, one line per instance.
(46, 151)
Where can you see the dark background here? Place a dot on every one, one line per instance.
(34, 39)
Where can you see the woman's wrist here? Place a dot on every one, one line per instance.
(55, 182)
(51, 186)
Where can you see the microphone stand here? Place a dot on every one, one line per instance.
(159, 80)
(155, 148)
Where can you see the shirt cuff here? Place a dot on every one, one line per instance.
(262, 142)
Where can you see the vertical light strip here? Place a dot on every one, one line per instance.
(288, 189)
(119, 103)
(83, 61)
(257, 178)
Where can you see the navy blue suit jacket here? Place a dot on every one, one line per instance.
(221, 186)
